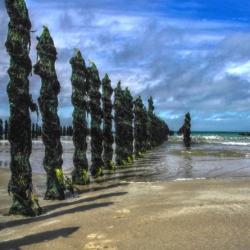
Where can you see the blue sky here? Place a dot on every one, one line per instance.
(189, 55)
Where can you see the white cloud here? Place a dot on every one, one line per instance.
(241, 70)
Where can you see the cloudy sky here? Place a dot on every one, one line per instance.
(190, 55)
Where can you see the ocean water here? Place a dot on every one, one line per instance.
(212, 155)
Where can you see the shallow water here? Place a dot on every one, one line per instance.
(211, 156)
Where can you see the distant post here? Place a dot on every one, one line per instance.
(6, 130)
(128, 136)
(144, 119)
(108, 138)
(1, 129)
(119, 132)
(150, 122)
(186, 130)
(138, 126)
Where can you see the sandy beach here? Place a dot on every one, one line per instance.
(196, 214)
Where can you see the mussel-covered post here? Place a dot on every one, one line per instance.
(6, 129)
(118, 107)
(138, 126)
(1, 129)
(94, 84)
(128, 136)
(186, 130)
(80, 127)
(150, 122)
(48, 104)
(108, 138)
(18, 46)
(144, 120)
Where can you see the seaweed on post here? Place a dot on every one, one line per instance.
(144, 119)
(150, 121)
(138, 126)
(108, 138)
(80, 126)
(119, 116)
(1, 129)
(33, 131)
(48, 103)
(128, 126)
(124, 126)
(18, 130)
(94, 85)
(6, 130)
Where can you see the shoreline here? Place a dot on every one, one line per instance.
(194, 214)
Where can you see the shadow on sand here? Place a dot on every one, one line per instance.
(83, 208)
(49, 208)
(99, 188)
(37, 238)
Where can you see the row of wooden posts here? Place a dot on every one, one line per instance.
(36, 130)
(137, 129)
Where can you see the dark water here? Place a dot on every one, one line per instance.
(213, 155)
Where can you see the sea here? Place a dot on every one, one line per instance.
(212, 155)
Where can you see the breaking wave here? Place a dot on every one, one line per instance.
(230, 140)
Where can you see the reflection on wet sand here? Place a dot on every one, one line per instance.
(188, 167)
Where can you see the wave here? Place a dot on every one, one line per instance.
(190, 179)
(197, 139)
(214, 139)
(236, 143)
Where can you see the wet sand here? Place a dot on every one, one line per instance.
(197, 214)
(170, 161)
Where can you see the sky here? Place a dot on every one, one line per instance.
(190, 55)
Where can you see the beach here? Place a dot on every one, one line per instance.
(171, 199)
(197, 214)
